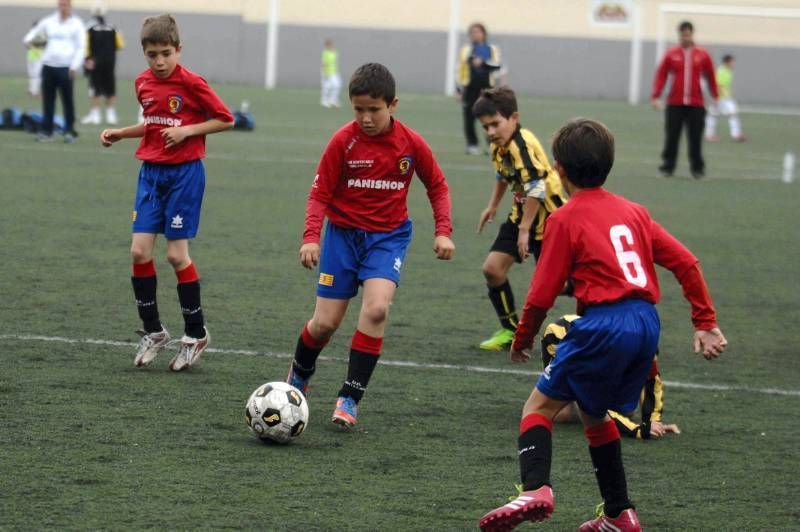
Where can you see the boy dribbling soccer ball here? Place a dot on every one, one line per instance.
(361, 186)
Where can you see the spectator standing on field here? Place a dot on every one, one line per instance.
(478, 65)
(62, 56)
(102, 43)
(726, 105)
(685, 63)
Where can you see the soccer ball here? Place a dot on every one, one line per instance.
(276, 411)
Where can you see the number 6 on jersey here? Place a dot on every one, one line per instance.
(627, 259)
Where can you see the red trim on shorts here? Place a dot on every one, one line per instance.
(145, 269)
(187, 275)
(311, 342)
(366, 343)
(535, 420)
(602, 434)
(653, 371)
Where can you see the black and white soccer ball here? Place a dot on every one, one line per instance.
(277, 411)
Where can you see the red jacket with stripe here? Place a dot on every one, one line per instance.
(685, 65)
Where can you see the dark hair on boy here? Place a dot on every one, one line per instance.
(727, 58)
(685, 25)
(373, 79)
(497, 100)
(585, 150)
(161, 29)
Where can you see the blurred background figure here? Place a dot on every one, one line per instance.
(726, 106)
(34, 59)
(331, 80)
(685, 64)
(102, 43)
(62, 56)
(478, 65)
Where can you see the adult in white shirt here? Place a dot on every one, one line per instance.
(62, 56)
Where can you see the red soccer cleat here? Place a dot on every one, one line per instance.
(535, 505)
(624, 522)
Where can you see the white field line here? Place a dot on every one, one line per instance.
(396, 363)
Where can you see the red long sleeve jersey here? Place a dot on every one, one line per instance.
(608, 246)
(182, 99)
(686, 65)
(362, 182)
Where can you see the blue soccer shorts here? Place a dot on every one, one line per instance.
(351, 256)
(605, 358)
(168, 199)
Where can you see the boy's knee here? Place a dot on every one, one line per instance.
(140, 254)
(178, 260)
(322, 328)
(375, 312)
(494, 276)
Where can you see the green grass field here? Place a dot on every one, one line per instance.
(89, 442)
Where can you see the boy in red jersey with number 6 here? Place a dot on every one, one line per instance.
(362, 186)
(180, 109)
(609, 247)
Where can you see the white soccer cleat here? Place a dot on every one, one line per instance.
(92, 118)
(149, 346)
(111, 116)
(189, 352)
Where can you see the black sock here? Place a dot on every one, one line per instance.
(610, 473)
(189, 297)
(535, 455)
(359, 372)
(306, 353)
(502, 299)
(144, 290)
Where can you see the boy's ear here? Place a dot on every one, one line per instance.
(561, 172)
(515, 116)
(393, 104)
(179, 48)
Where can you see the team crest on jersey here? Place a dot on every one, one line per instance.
(175, 103)
(404, 164)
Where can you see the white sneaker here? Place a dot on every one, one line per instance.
(473, 150)
(149, 346)
(189, 352)
(111, 116)
(92, 118)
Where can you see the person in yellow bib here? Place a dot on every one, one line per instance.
(726, 106)
(331, 80)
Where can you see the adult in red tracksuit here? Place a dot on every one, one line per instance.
(686, 63)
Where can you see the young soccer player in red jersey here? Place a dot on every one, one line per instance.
(609, 247)
(361, 186)
(180, 109)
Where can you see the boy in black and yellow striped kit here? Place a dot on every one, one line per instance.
(651, 402)
(521, 164)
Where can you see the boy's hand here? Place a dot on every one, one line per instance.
(173, 135)
(109, 137)
(656, 103)
(712, 343)
(309, 255)
(444, 247)
(486, 216)
(523, 241)
(658, 429)
(519, 356)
